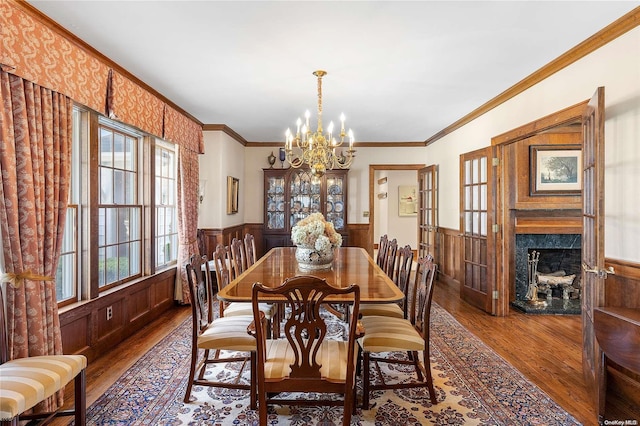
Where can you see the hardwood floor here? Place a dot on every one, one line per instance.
(545, 348)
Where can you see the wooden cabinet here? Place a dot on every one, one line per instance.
(292, 194)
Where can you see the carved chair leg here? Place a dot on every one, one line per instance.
(80, 400)
(365, 381)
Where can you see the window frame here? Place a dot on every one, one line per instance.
(84, 199)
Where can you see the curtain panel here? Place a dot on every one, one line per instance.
(41, 55)
(35, 166)
(188, 177)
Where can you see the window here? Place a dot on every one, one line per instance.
(68, 266)
(119, 210)
(122, 216)
(166, 235)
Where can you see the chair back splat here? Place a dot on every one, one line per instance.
(305, 360)
(403, 275)
(238, 257)
(250, 249)
(381, 258)
(390, 262)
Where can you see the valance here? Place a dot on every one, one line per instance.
(182, 130)
(131, 104)
(45, 57)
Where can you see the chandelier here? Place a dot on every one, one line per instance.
(318, 149)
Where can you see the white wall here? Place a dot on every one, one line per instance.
(615, 66)
(387, 219)
(223, 157)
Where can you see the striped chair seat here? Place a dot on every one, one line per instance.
(332, 356)
(228, 333)
(24, 382)
(385, 334)
(392, 310)
(244, 308)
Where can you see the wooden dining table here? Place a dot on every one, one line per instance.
(351, 265)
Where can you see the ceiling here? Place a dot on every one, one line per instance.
(400, 71)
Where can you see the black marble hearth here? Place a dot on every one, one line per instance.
(527, 242)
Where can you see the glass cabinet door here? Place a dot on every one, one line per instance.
(336, 203)
(304, 193)
(275, 203)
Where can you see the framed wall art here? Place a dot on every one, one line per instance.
(556, 169)
(407, 200)
(233, 189)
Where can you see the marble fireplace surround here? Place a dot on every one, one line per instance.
(526, 242)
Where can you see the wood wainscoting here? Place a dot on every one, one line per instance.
(449, 245)
(86, 329)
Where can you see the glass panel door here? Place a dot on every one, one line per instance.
(275, 204)
(336, 203)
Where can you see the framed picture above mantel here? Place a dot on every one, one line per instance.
(555, 169)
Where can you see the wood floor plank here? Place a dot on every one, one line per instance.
(544, 348)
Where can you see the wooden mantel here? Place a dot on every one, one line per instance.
(556, 221)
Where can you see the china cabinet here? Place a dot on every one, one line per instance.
(292, 194)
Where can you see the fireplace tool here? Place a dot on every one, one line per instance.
(532, 291)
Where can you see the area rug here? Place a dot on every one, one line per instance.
(474, 386)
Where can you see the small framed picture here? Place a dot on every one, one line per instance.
(407, 200)
(556, 169)
(233, 188)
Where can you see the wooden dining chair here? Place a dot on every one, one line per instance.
(223, 278)
(381, 258)
(238, 257)
(211, 335)
(390, 258)
(385, 335)
(402, 280)
(25, 382)
(250, 249)
(305, 360)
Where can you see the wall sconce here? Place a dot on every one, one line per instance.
(201, 188)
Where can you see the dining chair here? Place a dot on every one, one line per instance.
(381, 258)
(212, 335)
(305, 360)
(250, 249)
(25, 382)
(390, 258)
(402, 280)
(238, 257)
(223, 278)
(385, 335)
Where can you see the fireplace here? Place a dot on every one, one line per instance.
(559, 273)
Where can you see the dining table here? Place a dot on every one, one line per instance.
(351, 265)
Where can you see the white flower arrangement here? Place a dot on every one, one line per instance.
(314, 231)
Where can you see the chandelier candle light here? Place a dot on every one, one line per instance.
(318, 150)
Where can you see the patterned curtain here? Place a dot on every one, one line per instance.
(35, 164)
(188, 171)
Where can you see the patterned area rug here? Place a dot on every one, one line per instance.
(474, 386)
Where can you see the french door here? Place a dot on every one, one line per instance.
(476, 220)
(427, 211)
(593, 274)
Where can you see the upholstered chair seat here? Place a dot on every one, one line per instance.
(386, 334)
(332, 356)
(27, 381)
(392, 310)
(228, 333)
